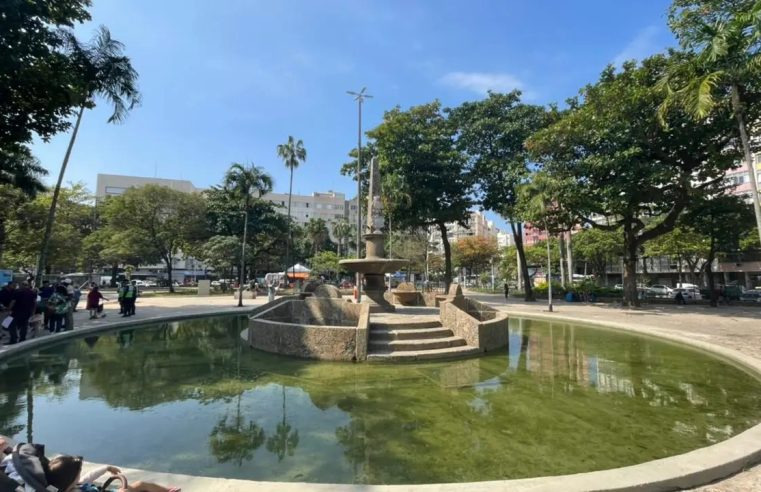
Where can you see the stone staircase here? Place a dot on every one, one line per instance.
(406, 338)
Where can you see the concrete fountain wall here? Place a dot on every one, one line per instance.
(480, 325)
(313, 328)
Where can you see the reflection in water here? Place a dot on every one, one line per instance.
(559, 399)
(283, 442)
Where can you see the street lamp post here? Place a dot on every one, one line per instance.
(242, 258)
(360, 98)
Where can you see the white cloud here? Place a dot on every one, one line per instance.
(481, 82)
(643, 45)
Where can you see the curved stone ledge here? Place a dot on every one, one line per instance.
(683, 471)
(314, 328)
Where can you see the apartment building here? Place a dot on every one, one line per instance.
(329, 206)
(116, 184)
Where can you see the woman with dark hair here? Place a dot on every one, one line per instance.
(58, 306)
(64, 473)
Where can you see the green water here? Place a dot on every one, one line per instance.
(188, 397)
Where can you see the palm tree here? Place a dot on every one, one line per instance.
(283, 442)
(317, 232)
(342, 233)
(241, 183)
(293, 153)
(722, 65)
(108, 74)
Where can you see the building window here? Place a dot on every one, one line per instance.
(307, 205)
(115, 190)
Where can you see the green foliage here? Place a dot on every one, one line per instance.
(474, 253)
(599, 248)
(324, 262)
(419, 163)
(156, 222)
(75, 222)
(618, 161)
(37, 70)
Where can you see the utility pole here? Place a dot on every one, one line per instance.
(360, 98)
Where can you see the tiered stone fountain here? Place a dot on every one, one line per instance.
(374, 265)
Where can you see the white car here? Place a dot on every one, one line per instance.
(659, 291)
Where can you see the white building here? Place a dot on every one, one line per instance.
(115, 184)
(329, 206)
(505, 240)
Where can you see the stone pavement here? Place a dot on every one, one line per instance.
(155, 308)
(735, 327)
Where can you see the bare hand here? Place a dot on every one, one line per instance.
(113, 470)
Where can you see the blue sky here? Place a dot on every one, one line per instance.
(228, 81)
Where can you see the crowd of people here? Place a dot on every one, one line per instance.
(25, 311)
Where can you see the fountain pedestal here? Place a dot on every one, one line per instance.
(373, 268)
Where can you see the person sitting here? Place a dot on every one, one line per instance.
(65, 473)
(93, 301)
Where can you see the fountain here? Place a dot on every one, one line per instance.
(374, 265)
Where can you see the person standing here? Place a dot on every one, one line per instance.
(22, 306)
(58, 307)
(120, 290)
(507, 291)
(135, 295)
(128, 299)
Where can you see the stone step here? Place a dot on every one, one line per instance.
(412, 324)
(409, 333)
(418, 355)
(414, 345)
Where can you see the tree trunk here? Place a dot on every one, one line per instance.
(631, 298)
(168, 262)
(243, 255)
(42, 262)
(711, 283)
(447, 255)
(114, 274)
(561, 240)
(740, 117)
(290, 231)
(518, 236)
(569, 258)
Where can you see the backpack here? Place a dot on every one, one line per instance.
(24, 470)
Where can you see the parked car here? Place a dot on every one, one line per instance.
(688, 293)
(753, 295)
(659, 291)
(619, 287)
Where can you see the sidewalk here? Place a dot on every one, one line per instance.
(155, 308)
(735, 327)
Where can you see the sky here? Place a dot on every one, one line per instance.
(228, 81)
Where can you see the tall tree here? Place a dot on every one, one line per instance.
(317, 234)
(241, 184)
(725, 38)
(418, 158)
(474, 253)
(722, 219)
(107, 74)
(622, 169)
(598, 248)
(37, 70)
(492, 133)
(342, 231)
(20, 175)
(158, 221)
(293, 153)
